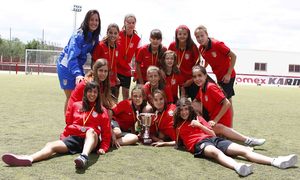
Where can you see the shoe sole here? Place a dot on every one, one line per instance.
(13, 160)
(78, 164)
(289, 163)
(246, 170)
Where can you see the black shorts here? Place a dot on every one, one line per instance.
(75, 144)
(192, 91)
(220, 143)
(228, 88)
(124, 81)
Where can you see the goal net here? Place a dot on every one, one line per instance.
(44, 61)
(40, 60)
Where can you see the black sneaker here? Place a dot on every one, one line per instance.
(81, 161)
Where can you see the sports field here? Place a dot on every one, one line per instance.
(31, 111)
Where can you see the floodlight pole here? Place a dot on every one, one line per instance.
(76, 8)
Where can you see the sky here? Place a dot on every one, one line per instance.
(243, 24)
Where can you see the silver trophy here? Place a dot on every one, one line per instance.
(145, 120)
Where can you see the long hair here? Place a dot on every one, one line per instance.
(144, 103)
(163, 94)
(105, 90)
(112, 25)
(179, 105)
(163, 64)
(161, 82)
(189, 42)
(86, 105)
(208, 79)
(156, 34)
(85, 25)
(125, 19)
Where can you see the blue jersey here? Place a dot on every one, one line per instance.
(73, 57)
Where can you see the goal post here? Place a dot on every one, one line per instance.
(40, 60)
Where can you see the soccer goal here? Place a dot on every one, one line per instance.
(40, 61)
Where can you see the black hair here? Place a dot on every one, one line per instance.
(85, 26)
(86, 106)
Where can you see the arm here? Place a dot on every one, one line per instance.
(139, 73)
(225, 106)
(227, 76)
(163, 143)
(196, 123)
(105, 134)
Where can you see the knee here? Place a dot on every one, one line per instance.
(117, 132)
(91, 132)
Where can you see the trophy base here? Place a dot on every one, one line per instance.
(147, 141)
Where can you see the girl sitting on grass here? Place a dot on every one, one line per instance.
(88, 129)
(199, 139)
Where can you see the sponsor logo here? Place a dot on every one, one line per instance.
(187, 56)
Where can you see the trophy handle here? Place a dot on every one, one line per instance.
(155, 116)
(138, 116)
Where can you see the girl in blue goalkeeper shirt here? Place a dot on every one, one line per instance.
(71, 60)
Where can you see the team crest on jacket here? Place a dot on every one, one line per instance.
(117, 53)
(214, 54)
(65, 82)
(94, 114)
(171, 113)
(187, 56)
(131, 45)
(173, 81)
(205, 98)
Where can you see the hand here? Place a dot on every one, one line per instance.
(115, 142)
(101, 151)
(194, 123)
(212, 123)
(226, 78)
(158, 144)
(79, 79)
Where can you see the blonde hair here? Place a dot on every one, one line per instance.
(201, 27)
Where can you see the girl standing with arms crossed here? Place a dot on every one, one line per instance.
(220, 58)
(108, 49)
(128, 42)
(187, 57)
(148, 55)
(199, 139)
(87, 130)
(70, 62)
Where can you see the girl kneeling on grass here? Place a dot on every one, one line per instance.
(88, 129)
(198, 138)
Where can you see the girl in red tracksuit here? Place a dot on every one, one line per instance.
(174, 78)
(88, 129)
(162, 130)
(156, 81)
(187, 56)
(109, 50)
(148, 55)
(129, 43)
(124, 117)
(100, 75)
(199, 139)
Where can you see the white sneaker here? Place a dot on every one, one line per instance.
(244, 169)
(284, 162)
(254, 142)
